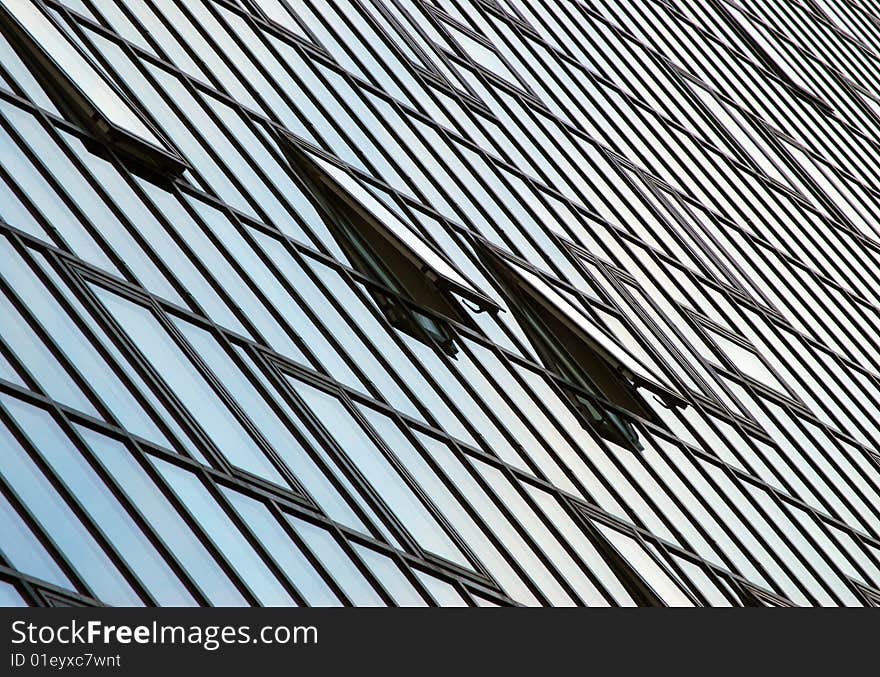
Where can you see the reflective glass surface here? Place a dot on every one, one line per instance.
(206, 397)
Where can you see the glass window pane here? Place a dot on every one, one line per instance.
(667, 589)
(281, 547)
(157, 509)
(337, 562)
(391, 577)
(228, 539)
(81, 71)
(10, 597)
(62, 525)
(81, 352)
(39, 361)
(443, 593)
(82, 480)
(189, 385)
(387, 481)
(24, 551)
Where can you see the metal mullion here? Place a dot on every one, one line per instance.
(558, 535)
(54, 184)
(111, 205)
(194, 89)
(158, 54)
(636, 520)
(299, 257)
(236, 521)
(101, 539)
(843, 353)
(233, 262)
(814, 319)
(490, 191)
(859, 539)
(785, 504)
(214, 46)
(30, 522)
(427, 556)
(672, 561)
(749, 555)
(63, 361)
(794, 550)
(197, 531)
(274, 374)
(216, 384)
(57, 261)
(709, 538)
(282, 281)
(199, 100)
(366, 12)
(452, 177)
(358, 89)
(672, 566)
(475, 516)
(374, 53)
(534, 169)
(188, 252)
(671, 205)
(214, 81)
(639, 589)
(621, 284)
(817, 469)
(349, 467)
(736, 475)
(320, 569)
(438, 433)
(137, 517)
(418, 491)
(361, 334)
(35, 586)
(140, 365)
(547, 448)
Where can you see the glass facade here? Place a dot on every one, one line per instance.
(439, 302)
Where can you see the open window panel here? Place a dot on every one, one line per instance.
(81, 90)
(599, 376)
(418, 290)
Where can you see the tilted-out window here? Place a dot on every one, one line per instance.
(80, 89)
(597, 369)
(415, 287)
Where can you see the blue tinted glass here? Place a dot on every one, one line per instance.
(281, 547)
(42, 194)
(128, 540)
(62, 525)
(75, 346)
(443, 593)
(171, 528)
(337, 563)
(8, 373)
(391, 577)
(9, 596)
(229, 541)
(189, 385)
(379, 472)
(39, 361)
(22, 549)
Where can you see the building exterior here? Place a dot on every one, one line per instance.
(449, 302)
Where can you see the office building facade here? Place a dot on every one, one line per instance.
(448, 302)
